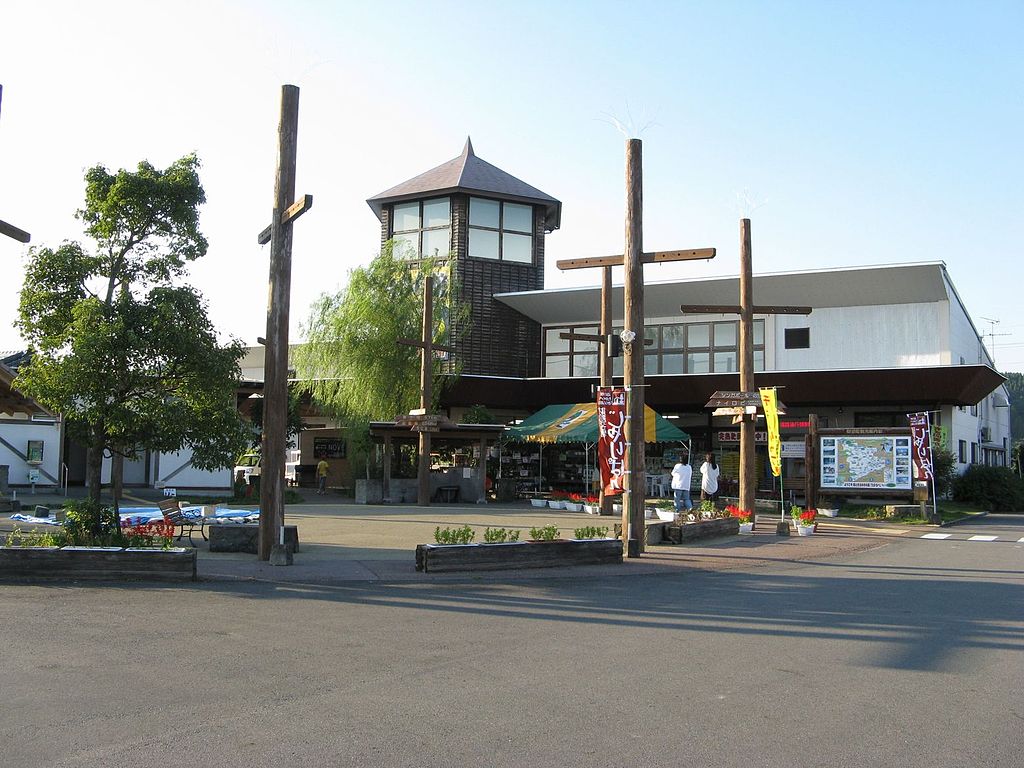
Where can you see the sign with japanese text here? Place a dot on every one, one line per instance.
(920, 443)
(611, 441)
(771, 417)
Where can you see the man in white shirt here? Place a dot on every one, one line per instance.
(681, 474)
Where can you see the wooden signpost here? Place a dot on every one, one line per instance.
(422, 420)
(746, 310)
(633, 260)
(275, 387)
(9, 229)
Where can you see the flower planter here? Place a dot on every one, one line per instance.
(804, 530)
(539, 502)
(592, 509)
(105, 563)
(828, 512)
(704, 529)
(572, 506)
(617, 509)
(746, 527)
(556, 504)
(439, 558)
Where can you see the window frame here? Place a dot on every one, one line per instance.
(801, 338)
(501, 231)
(421, 229)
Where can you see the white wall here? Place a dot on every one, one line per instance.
(174, 470)
(18, 432)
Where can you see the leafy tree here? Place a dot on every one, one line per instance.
(120, 346)
(352, 364)
(1015, 389)
(477, 414)
(292, 426)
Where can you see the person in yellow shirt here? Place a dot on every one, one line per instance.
(321, 477)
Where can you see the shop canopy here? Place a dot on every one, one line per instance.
(578, 424)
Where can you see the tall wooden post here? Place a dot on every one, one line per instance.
(426, 395)
(605, 363)
(275, 388)
(811, 462)
(748, 456)
(633, 364)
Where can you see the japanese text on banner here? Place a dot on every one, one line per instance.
(920, 445)
(611, 442)
(771, 417)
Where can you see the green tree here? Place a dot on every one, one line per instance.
(352, 364)
(119, 344)
(1015, 389)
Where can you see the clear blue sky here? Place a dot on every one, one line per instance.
(864, 133)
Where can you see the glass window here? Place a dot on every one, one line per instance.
(518, 248)
(698, 362)
(483, 244)
(437, 213)
(556, 365)
(406, 246)
(617, 366)
(725, 362)
(437, 243)
(484, 213)
(552, 341)
(518, 218)
(585, 346)
(758, 333)
(584, 365)
(698, 335)
(725, 334)
(758, 359)
(651, 332)
(672, 336)
(672, 363)
(406, 217)
(650, 363)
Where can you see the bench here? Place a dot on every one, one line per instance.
(173, 514)
(447, 493)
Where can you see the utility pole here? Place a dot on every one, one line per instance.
(275, 386)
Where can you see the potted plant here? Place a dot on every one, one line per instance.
(574, 503)
(557, 499)
(592, 505)
(707, 509)
(538, 501)
(547, 533)
(745, 517)
(803, 519)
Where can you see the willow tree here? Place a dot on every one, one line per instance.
(352, 364)
(119, 344)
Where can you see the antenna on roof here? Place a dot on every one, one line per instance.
(992, 323)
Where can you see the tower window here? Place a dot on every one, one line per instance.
(422, 228)
(500, 231)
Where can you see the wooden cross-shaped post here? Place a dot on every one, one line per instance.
(421, 419)
(275, 386)
(9, 229)
(633, 259)
(746, 310)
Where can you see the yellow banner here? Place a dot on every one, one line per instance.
(771, 416)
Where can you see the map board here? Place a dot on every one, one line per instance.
(868, 461)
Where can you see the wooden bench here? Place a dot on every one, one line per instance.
(447, 494)
(172, 512)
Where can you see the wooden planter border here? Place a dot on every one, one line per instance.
(439, 558)
(703, 529)
(31, 563)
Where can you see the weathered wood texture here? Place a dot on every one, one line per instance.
(705, 529)
(633, 364)
(245, 537)
(31, 563)
(748, 454)
(498, 557)
(653, 257)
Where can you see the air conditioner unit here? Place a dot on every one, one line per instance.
(986, 434)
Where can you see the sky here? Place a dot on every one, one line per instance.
(850, 133)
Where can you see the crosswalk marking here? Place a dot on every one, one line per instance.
(1020, 541)
(936, 535)
(982, 538)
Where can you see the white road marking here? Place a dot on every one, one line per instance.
(1020, 541)
(936, 535)
(982, 538)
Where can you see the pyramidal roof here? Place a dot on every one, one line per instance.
(468, 173)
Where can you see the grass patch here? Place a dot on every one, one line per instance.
(949, 511)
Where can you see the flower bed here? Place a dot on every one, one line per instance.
(97, 563)
(704, 529)
(440, 558)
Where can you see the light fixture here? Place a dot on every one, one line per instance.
(627, 336)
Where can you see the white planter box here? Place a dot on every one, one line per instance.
(828, 512)
(572, 506)
(556, 504)
(539, 502)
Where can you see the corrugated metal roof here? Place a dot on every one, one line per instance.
(468, 173)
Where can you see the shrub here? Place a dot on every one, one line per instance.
(997, 489)
(547, 533)
(91, 524)
(591, 532)
(944, 467)
(500, 535)
(463, 535)
(19, 538)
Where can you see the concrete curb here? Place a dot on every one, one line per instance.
(972, 516)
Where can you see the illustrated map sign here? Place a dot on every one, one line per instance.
(862, 461)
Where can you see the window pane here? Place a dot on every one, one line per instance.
(585, 346)
(552, 343)
(672, 336)
(407, 246)
(405, 217)
(483, 244)
(650, 364)
(758, 332)
(517, 248)
(584, 365)
(698, 362)
(651, 332)
(698, 335)
(483, 213)
(725, 362)
(437, 242)
(758, 359)
(671, 363)
(617, 366)
(437, 213)
(556, 365)
(518, 218)
(725, 335)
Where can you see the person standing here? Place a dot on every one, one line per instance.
(709, 473)
(321, 477)
(681, 476)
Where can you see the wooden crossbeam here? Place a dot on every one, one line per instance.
(291, 213)
(735, 309)
(692, 254)
(593, 337)
(12, 231)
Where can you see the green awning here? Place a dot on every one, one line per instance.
(578, 424)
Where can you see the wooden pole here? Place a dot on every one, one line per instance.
(275, 388)
(748, 467)
(426, 381)
(636, 485)
(606, 363)
(811, 462)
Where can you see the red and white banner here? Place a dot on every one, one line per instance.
(611, 441)
(920, 445)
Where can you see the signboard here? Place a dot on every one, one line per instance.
(771, 417)
(922, 453)
(34, 454)
(329, 448)
(611, 441)
(793, 449)
(866, 461)
(734, 437)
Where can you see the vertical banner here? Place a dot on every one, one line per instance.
(611, 441)
(920, 445)
(771, 416)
